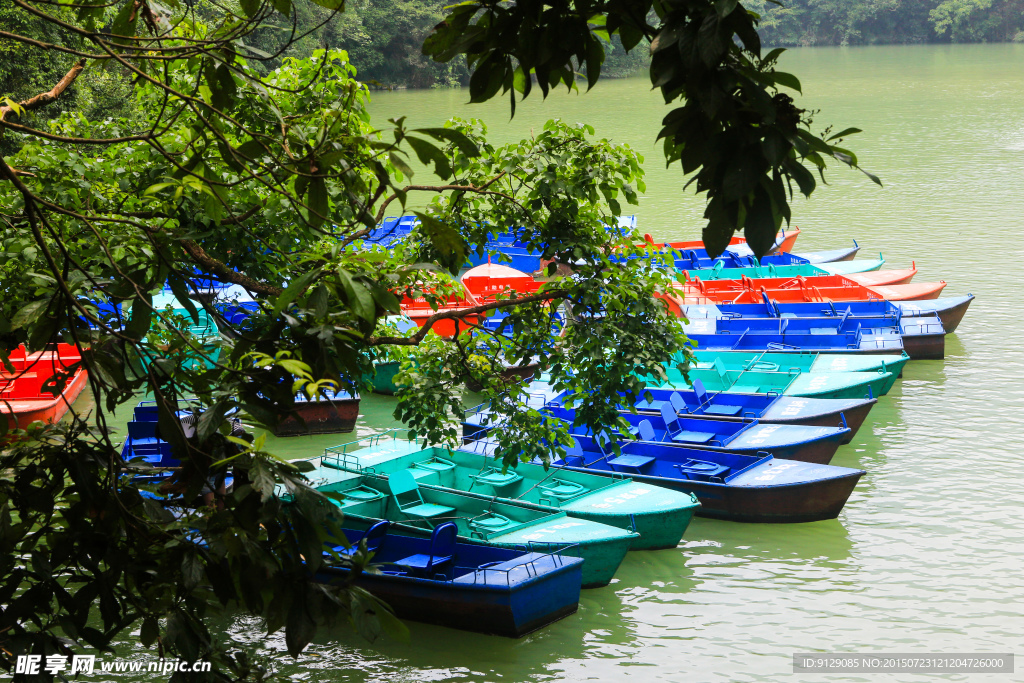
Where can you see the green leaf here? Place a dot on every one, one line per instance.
(331, 4)
(140, 319)
(250, 7)
(429, 153)
(844, 133)
(317, 200)
(788, 80)
(359, 298)
(294, 288)
(456, 137)
(282, 6)
(29, 313)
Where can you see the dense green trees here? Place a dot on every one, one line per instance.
(858, 22)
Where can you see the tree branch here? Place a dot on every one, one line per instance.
(43, 99)
(215, 267)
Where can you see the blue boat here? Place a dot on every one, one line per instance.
(731, 486)
(793, 442)
(697, 262)
(950, 309)
(440, 580)
(921, 336)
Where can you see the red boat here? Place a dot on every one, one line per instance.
(419, 310)
(821, 288)
(22, 394)
(783, 242)
(322, 415)
(491, 281)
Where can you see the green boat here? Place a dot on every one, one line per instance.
(414, 510)
(798, 270)
(658, 514)
(205, 332)
(383, 378)
(807, 361)
(718, 377)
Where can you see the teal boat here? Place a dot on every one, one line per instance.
(383, 378)
(204, 331)
(414, 510)
(659, 515)
(807, 361)
(787, 271)
(718, 377)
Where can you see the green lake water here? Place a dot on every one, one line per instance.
(926, 556)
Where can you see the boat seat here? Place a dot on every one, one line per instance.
(488, 524)
(631, 463)
(403, 483)
(652, 406)
(746, 388)
(686, 436)
(561, 489)
(440, 555)
(374, 537)
(824, 330)
(435, 465)
(701, 470)
(362, 494)
(493, 476)
(724, 411)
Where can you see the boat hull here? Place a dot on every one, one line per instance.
(320, 417)
(384, 377)
(792, 503)
(950, 310)
(23, 412)
(900, 276)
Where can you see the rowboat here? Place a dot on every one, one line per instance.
(472, 587)
(41, 388)
(700, 260)
(820, 288)
(801, 362)
(794, 442)
(419, 309)
(731, 486)
(833, 385)
(660, 516)
(831, 255)
(330, 414)
(921, 337)
(770, 272)
(950, 309)
(492, 281)
(698, 403)
(414, 511)
(784, 241)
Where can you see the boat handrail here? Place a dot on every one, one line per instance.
(530, 563)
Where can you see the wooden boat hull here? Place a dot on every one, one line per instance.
(320, 417)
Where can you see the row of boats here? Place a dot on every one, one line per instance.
(778, 386)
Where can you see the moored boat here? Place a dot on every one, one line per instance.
(793, 442)
(831, 255)
(473, 587)
(832, 385)
(731, 486)
(414, 511)
(821, 288)
(950, 309)
(25, 395)
(660, 516)
(330, 414)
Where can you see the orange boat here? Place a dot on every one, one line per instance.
(894, 276)
(23, 395)
(783, 242)
(822, 288)
(419, 310)
(488, 282)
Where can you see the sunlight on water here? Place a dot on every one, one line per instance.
(925, 557)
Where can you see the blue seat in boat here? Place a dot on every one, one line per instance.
(677, 402)
(440, 555)
(373, 537)
(701, 470)
(402, 483)
(631, 463)
(645, 430)
(705, 402)
(677, 433)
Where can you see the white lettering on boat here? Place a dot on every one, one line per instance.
(774, 471)
(818, 381)
(762, 434)
(621, 498)
(554, 528)
(795, 408)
